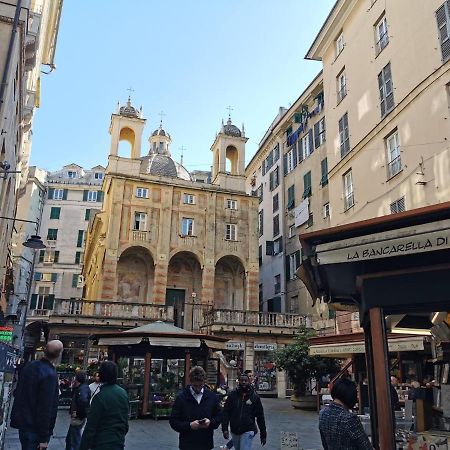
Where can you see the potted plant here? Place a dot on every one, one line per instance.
(301, 367)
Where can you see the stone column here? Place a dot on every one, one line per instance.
(207, 295)
(249, 357)
(160, 281)
(252, 287)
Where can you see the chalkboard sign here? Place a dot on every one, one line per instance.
(289, 440)
(445, 399)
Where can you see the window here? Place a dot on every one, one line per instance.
(52, 234)
(398, 206)
(98, 175)
(326, 210)
(324, 172)
(231, 204)
(92, 196)
(80, 238)
(187, 227)
(87, 214)
(141, 192)
(393, 154)
(276, 225)
(341, 86)
(55, 212)
(443, 23)
(307, 186)
(75, 278)
(41, 255)
(275, 203)
(43, 300)
(306, 150)
(294, 261)
(339, 44)
(319, 133)
(381, 35)
(344, 139)
(290, 161)
(349, 200)
(140, 221)
(47, 277)
(188, 199)
(276, 153)
(274, 179)
(51, 256)
(310, 220)
(291, 197)
(386, 90)
(58, 194)
(278, 246)
(260, 255)
(259, 193)
(277, 280)
(292, 232)
(77, 257)
(231, 232)
(71, 174)
(288, 132)
(261, 222)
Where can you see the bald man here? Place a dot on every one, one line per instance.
(36, 399)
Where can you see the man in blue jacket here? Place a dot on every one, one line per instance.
(36, 399)
(196, 413)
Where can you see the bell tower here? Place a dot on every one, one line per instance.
(229, 157)
(127, 125)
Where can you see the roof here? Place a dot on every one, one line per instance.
(160, 327)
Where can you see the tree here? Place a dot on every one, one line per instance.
(299, 365)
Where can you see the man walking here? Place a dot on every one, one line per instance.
(242, 409)
(78, 411)
(36, 399)
(196, 413)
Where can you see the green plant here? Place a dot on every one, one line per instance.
(299, 365)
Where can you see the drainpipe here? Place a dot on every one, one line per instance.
(9, 55)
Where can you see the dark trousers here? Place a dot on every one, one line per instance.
(73, 438)
(28, 440)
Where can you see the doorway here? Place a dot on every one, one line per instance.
(176, 298)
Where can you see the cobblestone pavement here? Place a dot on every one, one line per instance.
(157, 435)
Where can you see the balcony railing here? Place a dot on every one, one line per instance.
(143, 236)
(253, 318)
(106, 310)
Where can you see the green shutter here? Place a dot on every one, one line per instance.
(37, 276)
(54, 277)
(75, 280)
(288, 268)
(55, 212)
(87, 214)
(85, 196)
(49, 302)
(100, 196)
(56, 256)
(50, 193)
(77, 257)
(80, 238)
(41, 255)
(297, 117)
(324, 172)
(33, 302)
(298, 259)
(307, 185)
(65, 194)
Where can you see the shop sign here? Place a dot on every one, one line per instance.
(289, 440)
(233, 345)
(8, 358)
(258, 347)
(6, 334)
(405, 241)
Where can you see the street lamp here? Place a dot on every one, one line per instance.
(34, 242)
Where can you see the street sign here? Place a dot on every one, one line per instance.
(6, 334)
(289, 440)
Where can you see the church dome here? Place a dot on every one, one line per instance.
(163, 165)
(231, 130)
(160, 132)
(129, 110)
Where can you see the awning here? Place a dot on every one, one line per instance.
(345, 349)
(131, 340)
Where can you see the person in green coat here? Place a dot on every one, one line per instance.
(107, 420)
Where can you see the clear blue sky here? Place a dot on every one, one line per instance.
(190, 59)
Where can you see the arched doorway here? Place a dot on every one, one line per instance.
(229, 284)
(184, 283)
(135, 274)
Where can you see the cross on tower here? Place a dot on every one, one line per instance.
(161, 115)
(229, 111)
(130, 90)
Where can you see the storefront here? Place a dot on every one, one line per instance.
(395, 272)
(264, 367)
(235, 354)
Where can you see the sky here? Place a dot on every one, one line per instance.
(190, 59)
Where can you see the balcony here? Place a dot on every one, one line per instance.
(231, 246)
(97, 312)
(142, 236)
(252, 321)
(187, 240)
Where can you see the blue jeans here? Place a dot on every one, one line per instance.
(73, 438)
(28, 440)
(243, 441)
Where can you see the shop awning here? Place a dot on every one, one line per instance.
(346, 349)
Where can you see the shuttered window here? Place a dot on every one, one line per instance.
(275, 203)
(398, 206)
(55, 212)
(276, 225)
(344, 139)
(324, 172)
(307, 189)
(443, 23)
(319, 133)
(291, 197)
(386, 90)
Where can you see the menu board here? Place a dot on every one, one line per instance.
(289, 440)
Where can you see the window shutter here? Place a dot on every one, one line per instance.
(288, 267)
(285, 164)
(50, 193)
(74, 280)
(297, 117)
(294, 157)
(54, 277)
(311, 141)
(300, 151)
(324, 172)
(49, 302)
(65, 194)
(33, 302)
(85, 196)
(99, 196)
(56, 259)
(316, 135)
(87, 214)
(298, 260)
(41, 255)
(269, 248)
(442, 18)
(37, 276)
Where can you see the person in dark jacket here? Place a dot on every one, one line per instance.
(78, 411)
(36, 399)
(196, 413)
(107, 420)
(242, 408)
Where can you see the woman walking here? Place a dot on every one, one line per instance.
(107, 421)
